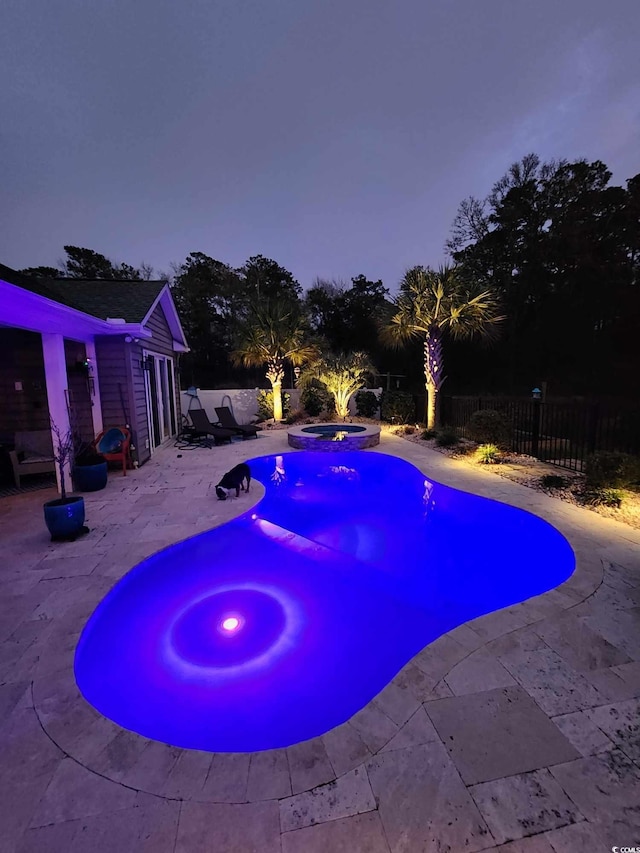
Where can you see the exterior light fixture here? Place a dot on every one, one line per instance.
(85, 368)
(536, 393)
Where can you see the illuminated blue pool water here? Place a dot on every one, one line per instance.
(284, 622)
(329, 429)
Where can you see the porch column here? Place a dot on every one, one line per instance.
(96, 401)
(55, 371)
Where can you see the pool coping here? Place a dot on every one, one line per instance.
(81, 733)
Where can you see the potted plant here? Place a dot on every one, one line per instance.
(64, 516)
(89, 470)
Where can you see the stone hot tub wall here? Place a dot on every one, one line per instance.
(300, 440)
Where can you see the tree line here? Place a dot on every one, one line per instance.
(561, 249)
(217, 303)
(545, 269)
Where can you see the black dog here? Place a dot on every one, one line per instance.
(234, 479)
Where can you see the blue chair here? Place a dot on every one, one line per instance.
(115, 445)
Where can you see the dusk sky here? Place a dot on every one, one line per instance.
(337, 137)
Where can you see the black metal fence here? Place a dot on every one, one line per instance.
(563, 434)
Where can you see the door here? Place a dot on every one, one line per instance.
(161, 399)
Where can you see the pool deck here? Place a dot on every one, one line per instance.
(517, 732)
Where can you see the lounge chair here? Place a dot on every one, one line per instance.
(228, 421)
(203, 427)
(115, 445)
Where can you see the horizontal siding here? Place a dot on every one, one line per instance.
(122, 390)
(114, 385)
(162, 342)
(122, 378)
(139, 422)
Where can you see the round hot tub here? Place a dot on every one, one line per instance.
(332, 429)
(334, 437)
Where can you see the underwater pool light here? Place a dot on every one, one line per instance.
(230, 624)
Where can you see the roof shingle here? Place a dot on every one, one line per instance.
(129, 300)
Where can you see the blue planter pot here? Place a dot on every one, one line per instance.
(90, 478)
(65, 518)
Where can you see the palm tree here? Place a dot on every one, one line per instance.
(342, 374)
(433, 304)
(272, 335)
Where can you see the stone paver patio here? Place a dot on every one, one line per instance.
(516, 732)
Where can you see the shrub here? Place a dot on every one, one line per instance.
(487, 426)
(396, 407)
(366, 404)
(295, 416)
(265, 405)
(611, 470)
(342, 374)
(601, 497)
(553, 481)
(428, 433)
(314, 400)
(447, 437)
(488, 454)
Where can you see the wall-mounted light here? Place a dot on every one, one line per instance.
(85, 368)
(536, 393)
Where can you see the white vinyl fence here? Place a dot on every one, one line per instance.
(243, 402)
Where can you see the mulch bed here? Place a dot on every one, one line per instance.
(528, 471)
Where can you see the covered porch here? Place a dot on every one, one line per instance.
(49, 372)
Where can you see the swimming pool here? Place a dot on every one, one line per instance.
(283, 623)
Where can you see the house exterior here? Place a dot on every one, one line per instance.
(95, 353)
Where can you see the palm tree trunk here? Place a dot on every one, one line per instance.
(277, 400)
(432, 373)
(275, 375)
(432, 393)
